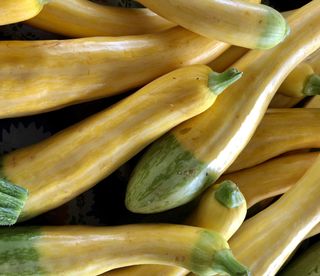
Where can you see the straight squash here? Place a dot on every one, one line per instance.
(12, 11)
(80, 250)
(280, 131)
(83, 18)
(275, 176)
(221, 209)
(75, 159)
(183, 163)
(273, 234)
(236, 22)
(38, 76)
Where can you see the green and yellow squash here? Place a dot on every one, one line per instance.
(83, 250)
(272, 235)
(236, 22)
(75, 159)
(183, 163)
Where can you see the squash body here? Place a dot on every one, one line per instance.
(79, 70)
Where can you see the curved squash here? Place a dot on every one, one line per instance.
(292, 217)
(236, 22)
(13, 11)
(79, 70)
(83, 18)
(194, 154)
(72, 161)
(81, 250)
(280, 131)
(222, 209)
(273, 176)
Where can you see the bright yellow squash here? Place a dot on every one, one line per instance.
(271, 178)
(75, 159)
(280, 131)
(87, 251)
(83, 18)
(222, 209)
(12, 11)
(38, 76)
(183, 163)
(265, 241)
(236, 22)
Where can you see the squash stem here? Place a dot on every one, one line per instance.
(312, 86)
(226, 259)
(12, 200)
(229, 195)
(218, 82)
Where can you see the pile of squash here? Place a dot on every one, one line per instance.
(222, 108)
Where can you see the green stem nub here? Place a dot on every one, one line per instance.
(229, 264)
(220, 81)
(229, 195)
(12, 200)
(312, 86)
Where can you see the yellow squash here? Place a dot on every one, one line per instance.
(183, 163)
(38, 76)
(283, 101)
(315, 231)
(83, 18)
(280, 131)
(12, 11)
(227, 58)
(301, 82)
(265, 241)
(314, 102)
(271, 178)
(236, 22)
(222, 209)
(87, 251)
(72, 161)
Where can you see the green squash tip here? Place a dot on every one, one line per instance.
(12, 201)
(218, 82)
(312, 86)
(229, 195)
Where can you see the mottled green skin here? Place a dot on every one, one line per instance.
(12, 200)
(307, 264)
(312, 86)
(276, 30)
(167, 176)
(229, 195)
(210, 256)
(18, 253)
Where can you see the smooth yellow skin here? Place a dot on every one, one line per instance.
(91, 251)
(83, 18)
(315, 231)
(271, 178)
(72, 161)
(314, 61)
(283, 101)
(236, 22)
(280, 131)
(227, 58)
(314, 102)
(12, 11)
(226, 129)
(294, 84)
(209, 214)
(79, 70)
(265, 241)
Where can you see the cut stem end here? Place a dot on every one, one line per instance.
(229, 195)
